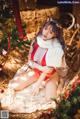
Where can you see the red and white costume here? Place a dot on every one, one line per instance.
(45, 53)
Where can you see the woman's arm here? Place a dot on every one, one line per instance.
(33, 65)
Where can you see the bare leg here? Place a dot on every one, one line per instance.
(51, 87)
(24, 80)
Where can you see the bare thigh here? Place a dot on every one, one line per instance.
(24, 80)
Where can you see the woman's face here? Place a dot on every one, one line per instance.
(47, 33)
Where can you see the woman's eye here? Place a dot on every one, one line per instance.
(45, 28)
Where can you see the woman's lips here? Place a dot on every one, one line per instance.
(45, 37)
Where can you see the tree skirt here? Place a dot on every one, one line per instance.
(24, 102)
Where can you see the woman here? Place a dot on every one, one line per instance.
(40, 72)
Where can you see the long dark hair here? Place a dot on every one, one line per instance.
(57, 30)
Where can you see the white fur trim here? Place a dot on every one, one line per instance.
(44, 44)
(55, 51)
(54, 57)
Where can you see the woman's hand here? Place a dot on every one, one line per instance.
(36, 88)
(39, 84)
